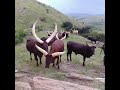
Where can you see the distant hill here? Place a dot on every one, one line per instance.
(78, 15)
(98, 21)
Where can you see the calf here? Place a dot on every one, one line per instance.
(74, 31)
(85, 50)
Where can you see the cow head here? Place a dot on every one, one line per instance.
(59, 36)
(50, 57)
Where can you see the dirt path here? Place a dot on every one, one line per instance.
(68, 68)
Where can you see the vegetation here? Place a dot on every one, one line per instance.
(67, 25)
(19, 36)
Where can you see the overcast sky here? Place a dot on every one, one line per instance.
(77, 6)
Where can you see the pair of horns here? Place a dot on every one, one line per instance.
(92, 45)
(38, 39)
(61, 38)
(45, 53)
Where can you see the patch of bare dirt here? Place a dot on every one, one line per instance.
(76, 71)
(41, 83)
(69, 67)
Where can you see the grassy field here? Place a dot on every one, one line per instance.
(94, 65)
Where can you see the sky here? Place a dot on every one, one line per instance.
(77, 6)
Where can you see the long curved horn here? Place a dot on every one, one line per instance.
(57, 54)
(57, 36)
(64, 37)
(41, 50)
(53, 34)
(34, 34)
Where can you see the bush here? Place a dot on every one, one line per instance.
(98, 36)
(84, 30)
(67, 25)
(18, 39)
(19, 36)
(43, 19)
(47, 10)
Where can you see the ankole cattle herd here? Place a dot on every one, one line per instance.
(55, 40)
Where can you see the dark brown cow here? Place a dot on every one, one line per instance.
(43, 43)
(77, 48)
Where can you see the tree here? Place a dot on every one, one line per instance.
(67, 25)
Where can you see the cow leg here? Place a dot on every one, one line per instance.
(84, 60)
(95, 42)
(30, 56)
(67, 56)
(53, 64)
(58, 62)
(60, 58)
(69, 52)
(40, 60)
(70, 57)
(36, 59)
(104, 60)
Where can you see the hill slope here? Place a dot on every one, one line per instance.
(28, 11)
(96, 21)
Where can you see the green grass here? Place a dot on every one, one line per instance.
(22, 55)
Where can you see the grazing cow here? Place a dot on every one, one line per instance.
(43, 43)
(56, 50)
(77, 48)
(92, 39)
(67, 34)
(74, 31)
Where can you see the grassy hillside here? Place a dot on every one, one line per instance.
(28, 11)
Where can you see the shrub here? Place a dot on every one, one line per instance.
(84, 30)
(43, 19)
(67, 25)
(47, 10)
(19, 35)
(98, 36)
